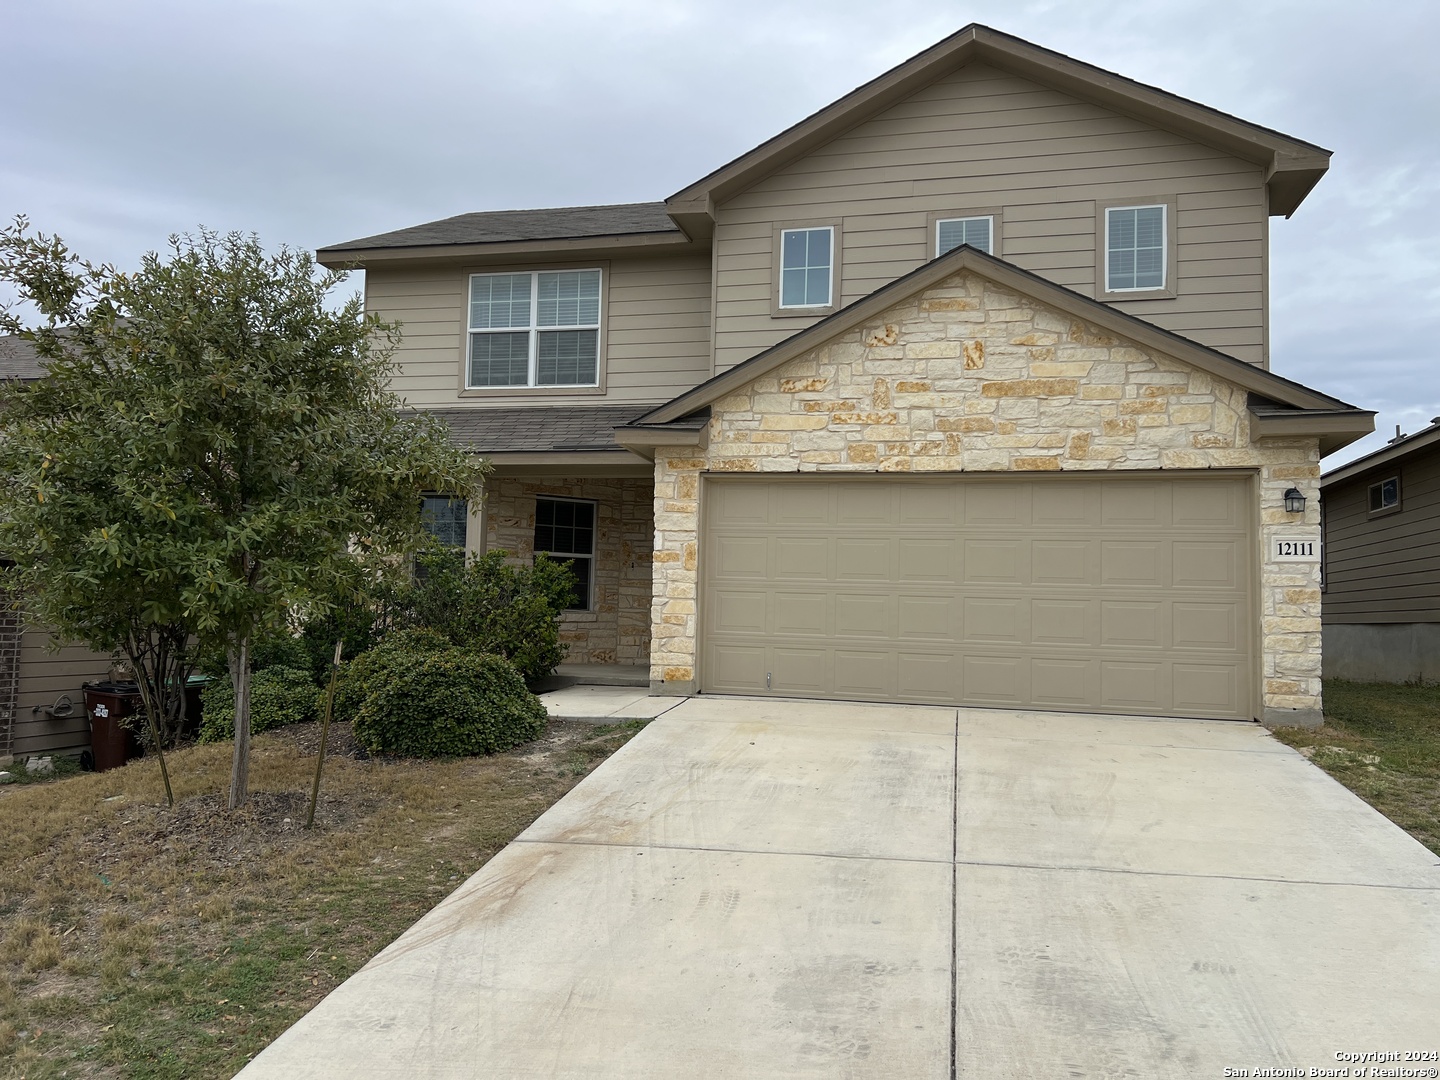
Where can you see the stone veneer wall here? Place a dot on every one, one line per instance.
(617, 631)
(968, 376)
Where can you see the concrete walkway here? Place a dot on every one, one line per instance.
(762, 888)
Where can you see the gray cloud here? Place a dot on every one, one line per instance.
(318, 122)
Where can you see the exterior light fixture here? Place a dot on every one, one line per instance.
(1294, 501)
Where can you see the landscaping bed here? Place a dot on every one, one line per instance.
(145, 942)
(1382, 741)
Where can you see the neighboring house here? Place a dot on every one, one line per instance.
(956, 391)
(36, 683)
(1381, 603)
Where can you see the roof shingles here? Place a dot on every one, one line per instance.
(500, 226)
(538, 428)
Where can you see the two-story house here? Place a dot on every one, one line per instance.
(957, 391)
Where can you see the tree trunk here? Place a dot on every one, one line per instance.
(240, 767)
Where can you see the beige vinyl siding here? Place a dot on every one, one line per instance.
(44, 678)
(982, 137)
(1386, 568)
(657, 331)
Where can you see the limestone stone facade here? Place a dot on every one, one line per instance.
(617, 630)
(968, 376)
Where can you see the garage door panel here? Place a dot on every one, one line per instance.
(995, 680)
(865, 674)
(805, 613)
(1069, 592)
(863, 559)
(801, 670)
(799, 558)
(1064, 622)
(1212, 564)
(927, 677)
(1133, 562)
(742, 557)
(1206, 689)
(1057, 682)
(864, 615)
(1205, 626)
(993, 619)
(1132, 624)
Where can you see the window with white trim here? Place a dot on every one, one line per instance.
(807, 267)
(444, 518)
(540, 328)
(1135, 255)
(950, 233)
(565, 530)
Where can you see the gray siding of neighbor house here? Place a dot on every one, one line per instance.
(1381, 605)
(1386, 568)
(984, 138)
(44, 678)
(657, 319)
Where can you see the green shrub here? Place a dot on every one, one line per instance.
(448, 702)
(490, 606)
(278, 696)
(284, 650)
(371, 670)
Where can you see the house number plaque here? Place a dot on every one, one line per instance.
(1294, 549)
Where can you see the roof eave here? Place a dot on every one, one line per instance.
(1386, 455)
(345, 258)
(1335, 428)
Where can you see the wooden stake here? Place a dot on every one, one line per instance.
(324, 734)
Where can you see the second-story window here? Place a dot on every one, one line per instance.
(807, 261)
(1135, 248)
(535, 329)
(950, 233)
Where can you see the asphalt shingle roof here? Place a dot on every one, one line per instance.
(538, 428)
(18, 359)
(556, 223)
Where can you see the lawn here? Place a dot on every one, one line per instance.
(1382, 741)
(143, 942)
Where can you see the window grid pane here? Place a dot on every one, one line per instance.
(568, 298)
(953, 232)
(1135, 247)
(499, 301)
(444, 519)
(568, 357)
(499, 359)
(565, 530)
(805, 267)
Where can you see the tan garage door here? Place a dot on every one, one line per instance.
(1078, 593)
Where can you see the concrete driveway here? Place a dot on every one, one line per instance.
(762, 888)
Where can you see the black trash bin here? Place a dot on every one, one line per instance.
(108, 704)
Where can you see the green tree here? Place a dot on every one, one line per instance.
(214, 445)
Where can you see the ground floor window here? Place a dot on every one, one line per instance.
(444, 518)
(565, 530)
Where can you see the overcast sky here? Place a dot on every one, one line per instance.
(310, 122)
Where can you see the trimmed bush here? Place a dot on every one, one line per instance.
(371, 670)
(448, 702)
(278, 696)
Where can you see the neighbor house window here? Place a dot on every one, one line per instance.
(1385, 495)
(535, 329)
(950, 233)
(807, 267)
(565, 530)
(444, 519)
(1135, 255)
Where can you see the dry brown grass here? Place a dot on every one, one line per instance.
(143, 942)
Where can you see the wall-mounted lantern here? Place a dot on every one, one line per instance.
(1294, 501)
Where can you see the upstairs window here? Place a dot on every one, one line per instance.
(565, 530)
(807, 267)
(950, 233)
(444, 519)
(1385, 495)
(1135, 255)
(534, 329)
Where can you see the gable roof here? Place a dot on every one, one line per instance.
(560, 223)
(1288, 407)
(1390, 454)
(536, 428)
(1293, 165)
